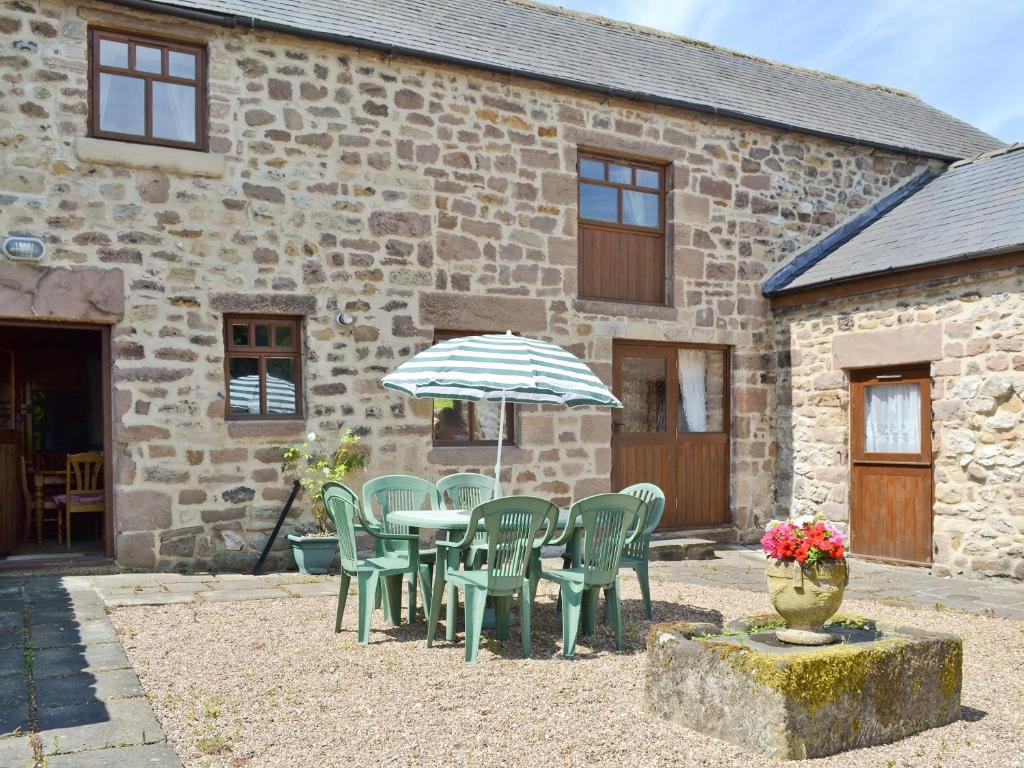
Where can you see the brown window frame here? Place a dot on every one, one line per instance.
(633, 230)
(860, 380)
(165, 45)
(510, 421)
(233, 351)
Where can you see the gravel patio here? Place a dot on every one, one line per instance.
(268, 683)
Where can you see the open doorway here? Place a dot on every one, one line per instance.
(54, 444)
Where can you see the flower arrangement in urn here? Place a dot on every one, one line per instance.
(312, 464)
(807, 573)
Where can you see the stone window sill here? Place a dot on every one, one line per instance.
(265, 428)
(477, 455)
(624, 309)
(182, 162)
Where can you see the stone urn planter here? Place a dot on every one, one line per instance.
(806, 596)
(314, 554)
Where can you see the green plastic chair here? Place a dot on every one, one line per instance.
(467, 490)
(636, 553)
(605, 521)
(395, 493)
(389, 568)
(511, 524)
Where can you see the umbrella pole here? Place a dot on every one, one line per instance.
(501, 437)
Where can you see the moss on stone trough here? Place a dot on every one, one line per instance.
(882, 683)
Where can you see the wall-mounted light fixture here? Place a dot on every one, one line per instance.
(22, 248)
(343, 318)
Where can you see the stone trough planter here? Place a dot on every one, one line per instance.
(314, 554)
(881, 683)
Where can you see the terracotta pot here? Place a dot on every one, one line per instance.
(806, 596)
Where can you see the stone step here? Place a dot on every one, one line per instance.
(682, 548)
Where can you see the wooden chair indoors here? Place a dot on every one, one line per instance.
(84, 488)
(37, 505)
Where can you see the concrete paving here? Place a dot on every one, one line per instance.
(72, 700)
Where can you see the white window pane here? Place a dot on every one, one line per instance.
(599, 203)
(174, 112)
(701, 390)
(647, 178)
(281, 385)
(113, 54)
(620, 174)
(591, 169)
(640, 209)
(892, 418)
(181, 64)
(148, 59)
(244, 385)
(122, 104)
(488, 414)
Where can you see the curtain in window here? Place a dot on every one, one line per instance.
(892, 418)
(693, 394)
(174, 112)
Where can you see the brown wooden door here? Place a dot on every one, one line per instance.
(8, 455)
(673, 428)
(891, 456)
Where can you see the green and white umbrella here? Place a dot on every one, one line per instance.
(502, 368)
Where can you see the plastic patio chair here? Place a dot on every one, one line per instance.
(395, 493)
(636, 553)
(467, 490)
(605, 520)
(390, 567)
(511, 524)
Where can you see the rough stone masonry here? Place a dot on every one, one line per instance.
(414, 197)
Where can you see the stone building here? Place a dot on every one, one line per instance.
(251, 212)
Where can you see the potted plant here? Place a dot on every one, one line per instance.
(807, 573)
(312, 464)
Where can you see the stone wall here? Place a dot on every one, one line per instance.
(413, 197)
(971, 332)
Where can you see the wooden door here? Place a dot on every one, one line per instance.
(891, 456)
(8, 455)
(673, 430)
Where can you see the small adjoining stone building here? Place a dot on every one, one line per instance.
(253, 211)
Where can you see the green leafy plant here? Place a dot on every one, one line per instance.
(313, 464)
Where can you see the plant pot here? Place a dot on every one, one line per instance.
(806, 597)
(314, 554)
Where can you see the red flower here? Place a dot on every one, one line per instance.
(837, 552)
(802, 551)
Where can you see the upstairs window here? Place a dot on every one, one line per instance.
(147, 91)
(621, 230)
(263, 366)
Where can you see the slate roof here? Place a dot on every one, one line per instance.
(974, 208)
(571, 48)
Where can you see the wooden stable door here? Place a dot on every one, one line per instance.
(891, 453)
(8, 455)
(673, 429)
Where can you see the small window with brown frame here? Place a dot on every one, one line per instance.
(146, 90)
(263, 366)
(621, 229)
(465, 423)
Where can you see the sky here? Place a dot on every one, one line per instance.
(966, 57)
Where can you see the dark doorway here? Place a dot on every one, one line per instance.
(54, 444)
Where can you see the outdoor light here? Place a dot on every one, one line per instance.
(344, 318)
(23, 248)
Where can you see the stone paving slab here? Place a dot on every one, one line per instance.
(16, 752)
(73, 633)
(70, 660)
(144, 756)
(98, 724)
(226, 595)
(85, 688)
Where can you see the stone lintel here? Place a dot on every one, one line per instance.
(181, 162)
(70, 294)
(892, 346)
(280, 303)
(491, 314)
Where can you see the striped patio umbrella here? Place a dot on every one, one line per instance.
(502, 368)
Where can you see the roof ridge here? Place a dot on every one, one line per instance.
(655, 32)
(989, 155)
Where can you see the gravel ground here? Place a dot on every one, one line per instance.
(268, 683)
